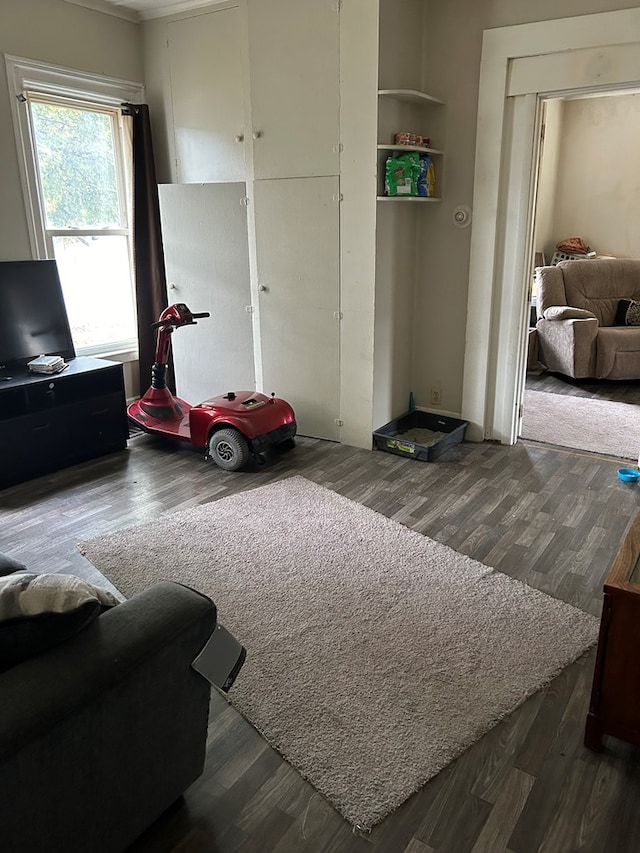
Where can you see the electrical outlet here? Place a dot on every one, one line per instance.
(436, 396)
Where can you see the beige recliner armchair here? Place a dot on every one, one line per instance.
(583, 314)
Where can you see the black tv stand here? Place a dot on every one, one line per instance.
(51, 421)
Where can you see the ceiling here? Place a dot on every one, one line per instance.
(137, 10)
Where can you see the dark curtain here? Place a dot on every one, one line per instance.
(148, 254)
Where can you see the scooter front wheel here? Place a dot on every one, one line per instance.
(229, 449)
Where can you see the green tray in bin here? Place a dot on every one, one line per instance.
(409, 435)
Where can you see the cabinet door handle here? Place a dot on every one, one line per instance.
(257, 134)
(239, 137)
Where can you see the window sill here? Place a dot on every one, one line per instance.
(122, 356)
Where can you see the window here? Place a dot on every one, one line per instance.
(83, 206)
(76, 175)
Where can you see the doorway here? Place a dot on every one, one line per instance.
(587, 54)
(586, 188)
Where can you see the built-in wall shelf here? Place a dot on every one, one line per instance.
(420, 148)
(407, 198)
(407, 110)
(410, 96)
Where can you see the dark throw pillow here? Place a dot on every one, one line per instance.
(627, 313)
(40, 611)
(9, 565)
(621, 312)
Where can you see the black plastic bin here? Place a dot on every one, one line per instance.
(393, 437)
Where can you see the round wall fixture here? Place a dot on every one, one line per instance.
(462, 216)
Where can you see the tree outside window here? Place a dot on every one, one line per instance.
(81, 183)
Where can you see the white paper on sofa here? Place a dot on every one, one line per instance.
(221, 659)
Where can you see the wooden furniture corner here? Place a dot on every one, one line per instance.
(615, 697)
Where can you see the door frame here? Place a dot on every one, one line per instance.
(580, 54)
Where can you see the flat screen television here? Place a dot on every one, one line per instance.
(33, 316)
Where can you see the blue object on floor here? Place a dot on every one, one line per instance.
(628, 475)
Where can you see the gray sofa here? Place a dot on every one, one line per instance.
(582, 332)
(101, 733)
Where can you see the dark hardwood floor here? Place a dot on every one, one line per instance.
(550, 517)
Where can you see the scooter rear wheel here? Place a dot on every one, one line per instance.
(229, 449)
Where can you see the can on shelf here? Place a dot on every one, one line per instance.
(404, 139)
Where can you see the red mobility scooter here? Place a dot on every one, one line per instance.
(231, 429)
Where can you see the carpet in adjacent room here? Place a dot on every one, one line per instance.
(582, 423)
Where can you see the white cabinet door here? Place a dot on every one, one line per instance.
(294, 66)
(297, 249)
(207, 262)
(205, 55)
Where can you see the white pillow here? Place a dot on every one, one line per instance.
(25, 594)
(40, 611)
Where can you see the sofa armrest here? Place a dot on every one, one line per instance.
(549, 288)
(42, 691)
(567, 312)
(568, 346)
(102, 733)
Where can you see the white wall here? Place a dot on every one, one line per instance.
(401, 44)
(63, 34)
(358, 112)
(545, 237)
(401, 40)
(452, 68)
(598, 181)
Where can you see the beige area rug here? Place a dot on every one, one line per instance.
(375, 655)
(599, 426)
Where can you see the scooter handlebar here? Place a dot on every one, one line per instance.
(170, 321)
